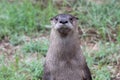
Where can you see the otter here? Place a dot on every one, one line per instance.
(64, 59)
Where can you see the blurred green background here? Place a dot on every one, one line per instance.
(25, 28)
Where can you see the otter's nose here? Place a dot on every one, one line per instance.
(63, 21)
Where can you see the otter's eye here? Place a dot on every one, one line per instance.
(56, 19)
(71, 19)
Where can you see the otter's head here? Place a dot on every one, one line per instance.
(64, 24)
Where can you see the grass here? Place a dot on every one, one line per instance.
(36, 46)
(103, 17)
(22, 71)
(24, 19)
(102, 59)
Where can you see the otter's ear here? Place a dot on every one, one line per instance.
(76, 18)
(52, 20)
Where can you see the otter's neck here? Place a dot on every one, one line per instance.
(64, 47)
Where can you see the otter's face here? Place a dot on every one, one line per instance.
(64, 23)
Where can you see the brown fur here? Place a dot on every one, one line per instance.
(64, 60)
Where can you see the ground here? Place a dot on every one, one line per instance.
(25, 29)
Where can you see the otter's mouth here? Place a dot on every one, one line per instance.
(64, 31)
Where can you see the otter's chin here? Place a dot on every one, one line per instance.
(64, 31)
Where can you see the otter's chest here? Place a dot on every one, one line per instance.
(67, 70)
